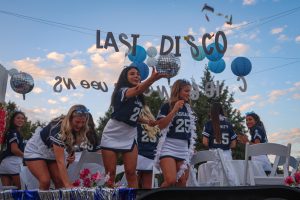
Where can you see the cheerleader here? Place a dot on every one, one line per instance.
(147, 140)
(218, 132)
(12, 155)
(44, 153)
(119, 134)
(175, 144)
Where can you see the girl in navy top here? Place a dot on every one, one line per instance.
(120, 131)
(174, 117)
(12, 155)
(218, 132)
(147, 139)
(45, 151)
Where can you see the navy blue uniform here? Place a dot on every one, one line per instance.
(125, 109)
(51, 135)
(13, 136)
(227, 134)
(180, 125)
(258, 132)
(146, 145)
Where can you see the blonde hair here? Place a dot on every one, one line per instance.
(146, 114)
(66, 127)
(175, 91)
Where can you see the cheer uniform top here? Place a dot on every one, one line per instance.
(120, 131)
(257, 132)
(227, 134)
(176, 144)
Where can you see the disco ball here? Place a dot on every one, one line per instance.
(168, 64)
(22, 83)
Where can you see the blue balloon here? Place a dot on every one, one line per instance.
(216, 66)
(140, 55)
(201, 55)
(143, 69)
(241, 66)
(215, 55)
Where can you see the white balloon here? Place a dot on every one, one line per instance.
(151, 52)
(151, 62)
(12, 71)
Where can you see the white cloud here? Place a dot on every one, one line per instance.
(56, 56)
(296, 96)
(191, 32)
(37, 90)
(64, 99)
(246, 106)
(277, 30)
(51, 101)
(275, 94)
(282, 37)
(30, 66)
(237, 49)
(248, 2)
(286, 136)
(297, 39)
(255, 97)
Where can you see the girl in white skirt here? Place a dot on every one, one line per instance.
(218, 132)
(44, 152)
(174, 116)
(147, 140)
(119, 134)
(12, 156)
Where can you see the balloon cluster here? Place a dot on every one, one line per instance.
(167, 64)
(240, 66)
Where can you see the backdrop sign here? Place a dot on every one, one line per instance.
(110, 41)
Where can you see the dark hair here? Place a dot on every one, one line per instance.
(91, 133)
(215, 111)
(123, 82)
(256, 119)
(12, 118)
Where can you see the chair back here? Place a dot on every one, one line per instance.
(293, 163)
(267, 149)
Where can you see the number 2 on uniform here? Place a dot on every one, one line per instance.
(136, 112)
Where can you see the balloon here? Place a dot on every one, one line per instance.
(151, 52)
(168, 64)
(22, 83)
(241, 66)
(140, 55)
(217, 66)
(215, 55)
(12, 71)
(201, 55)
(143, 69)
(151, 62)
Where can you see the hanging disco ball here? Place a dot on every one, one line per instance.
(168, 64)
(22, 83)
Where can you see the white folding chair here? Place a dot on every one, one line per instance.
(155, 172)
(266, 149)
(206, 155)
(90, 160)
(293, 163)
(120, 169)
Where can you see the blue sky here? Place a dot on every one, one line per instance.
(265, 31)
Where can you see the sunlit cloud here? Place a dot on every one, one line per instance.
(286, 136)
(296, 96)
(37, 90)
(275, 94)
(64, 99)
(297, 39)
(31, 66)
(51, 101)
(56, 56)
(248, 2)
(255, 97)
(247, 106)
(283, 37)
(238, 49)
(277, 30)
